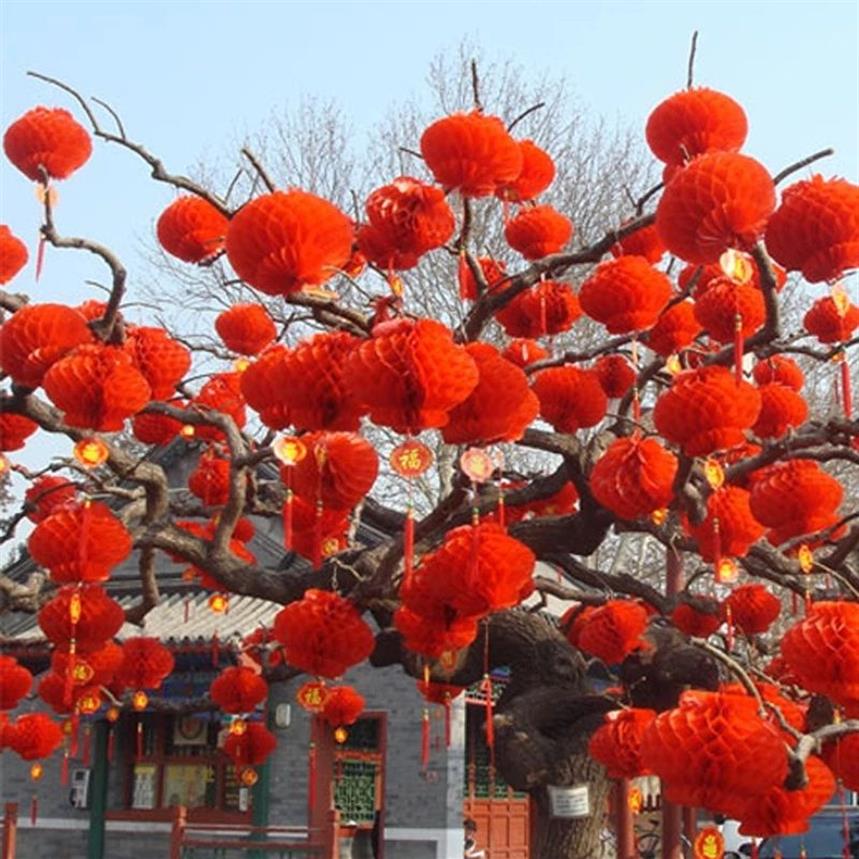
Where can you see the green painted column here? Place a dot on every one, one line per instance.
(98, 791)
(261, 794)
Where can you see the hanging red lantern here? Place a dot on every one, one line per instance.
(753, 608)
(791, 712)
(36, 736)
(145, 663)
(221, 393)
(410, 374)
(718, 201)
(192, 230)
(251, 747)
(54, 691)
(238, 690)
(675, 329)
(339, 469)
(80, 543)
(522, 352)
(793, 498)
(245, 328)
(548, 307)
(727, 309)
(323, 634)
(706, 410)
(611, 631)
(36, 336)
(436, 632)
(47, 495)
(615, 374)
(779, 369)
(816, 228)
(842, 756)
(13, 254)
(48, 138)
(15, 430)
(154, 428)
(94, 668)
(634, 477)
(162, 360)
(494, 273)
(616, 744)
(265, 386)
(500, 408)
(315, 533)
(643, 243)
(701, 751)
(471, 153)
(729, 528)
(570, 398)
(283, 242)
(822, 650)
(536, 175)
(694, 121)
(15, 683)
(342, 706)
(699, 619)
(100, 617)
(831, 321)
(538, 231)
(210, 480)
(782, 409)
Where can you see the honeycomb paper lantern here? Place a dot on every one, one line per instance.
(616, 744)
(100, 618)
(724, 304)
(644, 242)
(792, 713)
(729, 528)
(210, 480)
(615, 374)
(343, 705)
(779, 369)
(13, 254)
(611, 631)
(536, 175)
(36, 736)
(548, 307)
(146, 662)
(162, 360)
(675, 329)
(782, 408)
(439, 631)
(570, 398)
(238, 690)
(153, 428)
(15, 430)
(538, 231)
(192, 230)
(312, 532)
(222, 393)
(15, 683)
(699, 619)
(53, 688)
(494, 272)
(831, 322)
(48, 138)
(251, 747)
(265, 385)
(94, 668)
(245, 328)
(699, 278)
(753, 608)
(46, 495)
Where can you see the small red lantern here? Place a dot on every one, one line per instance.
(91, 452)
(153, 428)
(779, 369)
(251, 748)
(311, 696)
(548, 307)
(753, 608)
(15, 430)
(210, 480)
(36, 735)
(831, 321)
(615, 374)
(643, 243)
(100, 617)
(343, 705)
(700, 618)
(238, 690)
(222, 393)
(47, 495)
(675, 329)
(616, 744)
(727, 310)
(611, 631)
(192, 230)
(94, 668)
(48, 138)
(162, 360)
(55, 692)
(245, 328)
(523, 352)
(434, 633)
(729, 527)
(537, 174)
(15, 683)
(494, 272)
(570, 398)
(13, 254)
(538, 231)
(145, 663)
(782, 408)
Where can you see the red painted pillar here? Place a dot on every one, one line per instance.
(623, 821)
(322, 801)
(177, 833)
(690, 823)
(10, 829)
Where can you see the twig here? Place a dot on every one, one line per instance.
(824, 153)
(525, 113)
(690, 74)
(114, 114)
(261, 171)
(475, 86)
(735, 668)
(411, 152)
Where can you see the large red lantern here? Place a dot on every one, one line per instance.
(548, 307)
(494, 272)
(694, 121)
(537, 174)
(36, 336)
(283, 242)
(238, 690)
(816, 228)
(100, 617)
(145, 663)
(47, 494)
(162, 360)
(612, 631)
(675, 329)
(192, 230)
(538, 231)
(729, 527)
(410, 374)
(616, 375)
(634, 477)
(570, 399)
(718, 201)
(80, 543)
(210, 480)
(779, 369)
(753, 609)
(616, 744)
(706, 410)
(500, 408)
(643, 243)
(48, 138)
(245, 328)
(782, 408)
(15, 683)
(97, 387)
(831, 321)
(36, 736)
(625, 294)
(13, 254)
(471, 153)
(15, 430)
(251, 746)
(343, 705)
(323, 634)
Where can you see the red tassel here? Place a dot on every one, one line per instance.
(409, 542)
(311, 776)
(729, 617)
(139, 733)
(501, 509)
(216, 650)
(70, 672)
(846, 392)
(87, 746)
(425, 739)
(64, 769)
(111, 734)
(287, 516)
(40, 255)
(75, 735)
(34, 810)
(490, 726)
(738, 347)
(754, 854)
(317, 537)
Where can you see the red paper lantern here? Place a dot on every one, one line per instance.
(675, 329)
(538, 231)
(700, 619)
(251, 747)
(831, 321)
(471, 153)
(192, 230)
(615, 374)
(97, 387)
(537, 174)
(238, 690)
(724, 304)
(791, 712)
(643, 243)
(36, 736)
(500, 408)
(822, 650)
(80, 543)
(718, 201)
(245, 328)
(494, 273)
(36, 336)
(47, 495)
(842, 756)
(523, 352)
(265, 385)
(145, 663)
(729, 528)
(15, 430)
(570, 399)
(634, 477)
(616, 744)
(779, 369)
(625, 294)
(694, 121)
(438, 693)
(221, 393)
(410, 374)
(15, 683)
(282, 242)
(611, 631)
(100, 617)
(339, 469)
(153, 428)
(210, 480)
(706, 410)
(48, 138)
(753, 608)
(94, 668)
(781, 409)
(323, 634)
(793, 498)
(702, 748)
(312, 532)
(162, 360)
(53, 688)
(816, 228)
(548, 307)
(13, 254)
(343, 705)
(436, 632)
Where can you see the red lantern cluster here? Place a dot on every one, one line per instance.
(192, 230)
(49, 139)
(238, 690)
(616, 744)
(611, 631)
(13, 254)
(93, 668)
(538, 231)
(548, 307)
(245, 328)
(729, 528)
(570, 399)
